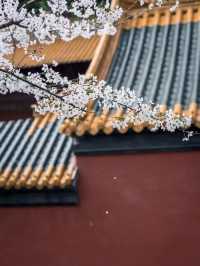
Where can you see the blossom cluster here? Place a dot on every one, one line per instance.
(136, 112)
(21, 28)
(66, 20)
(69, 99)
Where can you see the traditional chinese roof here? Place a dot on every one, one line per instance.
(158, 55)
(37, 164)
(77, 50)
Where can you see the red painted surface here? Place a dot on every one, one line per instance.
(15, 106)
(148, 215)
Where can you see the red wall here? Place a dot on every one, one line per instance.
(148, 216)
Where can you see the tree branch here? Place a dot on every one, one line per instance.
(31, 84)
(11, 23)
(40, 88)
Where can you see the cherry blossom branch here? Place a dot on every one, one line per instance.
(57, 94)
(10, 23)
(30, 83)
(69, 99)
(48, 94)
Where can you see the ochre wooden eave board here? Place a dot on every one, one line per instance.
(77, 50)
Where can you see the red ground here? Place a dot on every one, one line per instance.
(149, 215)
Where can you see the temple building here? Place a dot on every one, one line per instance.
(133, 194)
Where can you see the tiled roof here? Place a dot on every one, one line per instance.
(35, 158)
(159, 56)
(77, 50)
(160, 62)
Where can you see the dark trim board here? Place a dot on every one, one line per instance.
(43, 197)
(132, 142)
